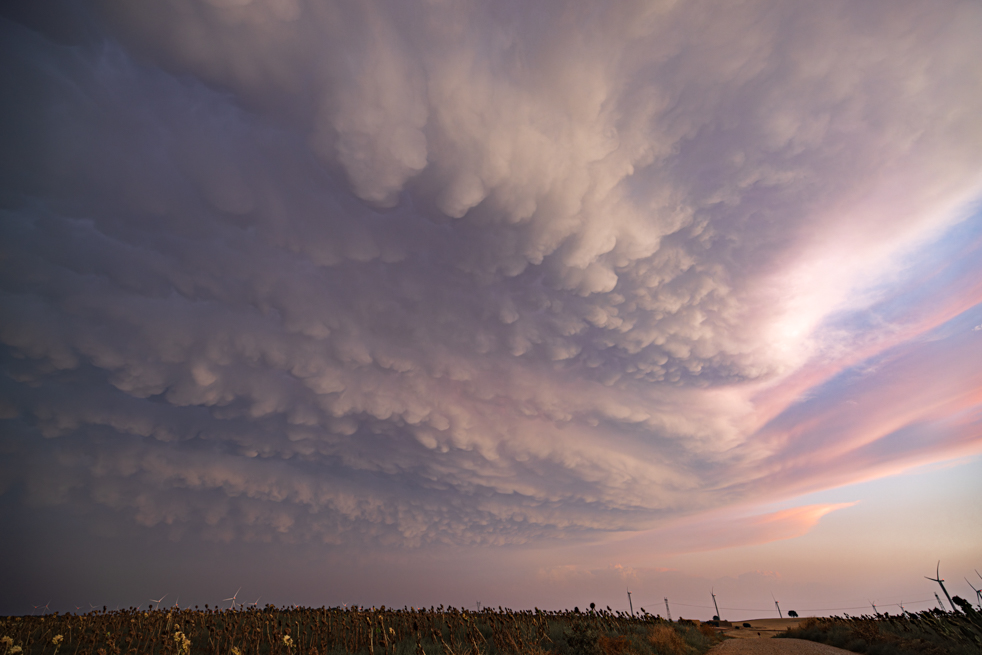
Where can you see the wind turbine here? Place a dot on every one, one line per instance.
(875, 611)
(668, 611)
(631, 604)
(718, 617)
(978, 592)
(159, 601)
(234, 596)
(940, 581)
(777, 606)
(255, 604)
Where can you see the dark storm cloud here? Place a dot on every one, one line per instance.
(449, 271)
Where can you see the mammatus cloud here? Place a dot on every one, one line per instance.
(476, 273)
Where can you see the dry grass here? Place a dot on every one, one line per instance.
(931, 632)
(667, 640)
(351, 631)
(708, 631)
(614, 644)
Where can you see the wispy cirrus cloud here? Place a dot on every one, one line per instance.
(732, 527)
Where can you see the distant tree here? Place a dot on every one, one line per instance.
(793, 614)
(715, 618)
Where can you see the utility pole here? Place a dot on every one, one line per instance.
(719, 617)
(629, 602)
(668, 611)
(940, 604)
(940, 581)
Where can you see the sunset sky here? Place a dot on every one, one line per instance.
(421, 302)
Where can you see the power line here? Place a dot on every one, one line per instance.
(807, 609)
(860, 607)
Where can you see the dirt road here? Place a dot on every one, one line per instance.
(774, 647)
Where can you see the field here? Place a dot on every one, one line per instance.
(303, 631)
(926, 633)
(760, 628)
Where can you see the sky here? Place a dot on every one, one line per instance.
(521, 304)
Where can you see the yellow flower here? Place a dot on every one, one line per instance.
(183, 643)
(15, 649)
(57, 640)
(236, 651)
(287, 641)
(7, 641)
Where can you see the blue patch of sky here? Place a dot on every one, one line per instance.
(925, 272)
(960, 331)
(932, 271)
(959, 478)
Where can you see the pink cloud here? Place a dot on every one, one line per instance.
(715, 532)
(920, 317)
(918, 403)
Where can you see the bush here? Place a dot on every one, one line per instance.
(583, 639)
